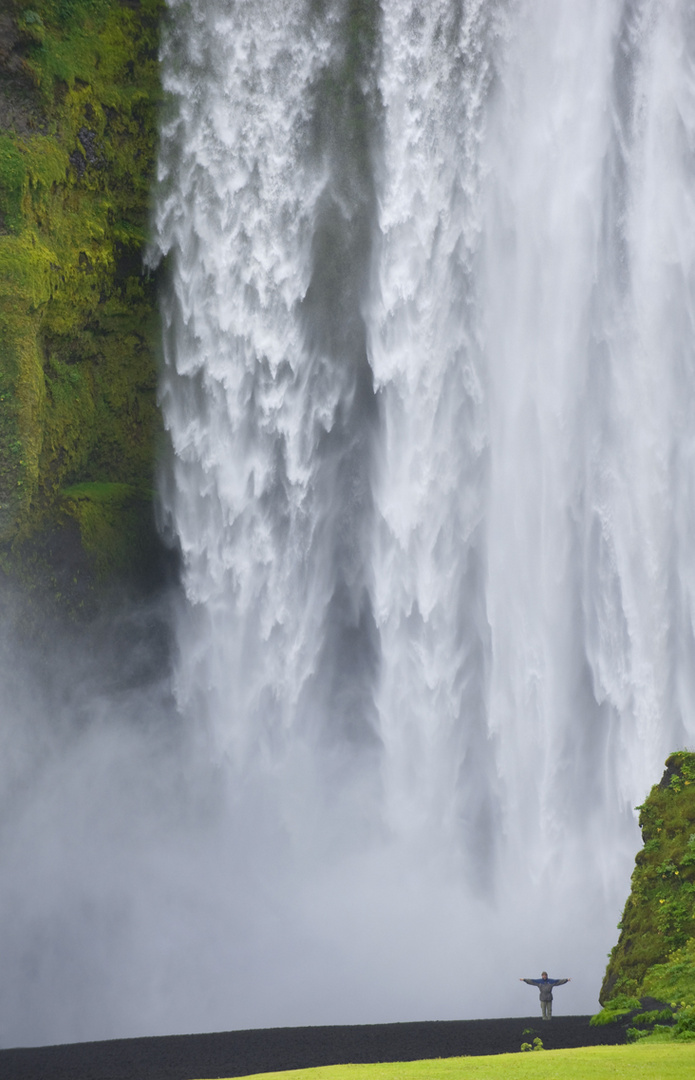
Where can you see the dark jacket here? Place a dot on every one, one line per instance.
(545, 986)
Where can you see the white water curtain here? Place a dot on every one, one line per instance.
(429, 389)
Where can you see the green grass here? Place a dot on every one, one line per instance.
(648, 1060)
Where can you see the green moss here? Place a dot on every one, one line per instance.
(110, 519)
(12, 177)
(78, 321)
(674, 980)
(659, 916)
(21, 410)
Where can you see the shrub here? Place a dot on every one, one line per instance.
(616, 1009)
(537, 1045)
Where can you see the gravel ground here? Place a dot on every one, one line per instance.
(242, 1053)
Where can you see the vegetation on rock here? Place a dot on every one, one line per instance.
(654, 959)
(79, 89)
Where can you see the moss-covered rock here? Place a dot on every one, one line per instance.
(655, 953)
(79, 88)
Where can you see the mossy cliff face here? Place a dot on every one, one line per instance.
(655, 954)
(79, 88)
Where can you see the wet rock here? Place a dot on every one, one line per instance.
(88, 139)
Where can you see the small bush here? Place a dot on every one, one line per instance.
(684, 1027)
(646, 1018)
(615, 1010)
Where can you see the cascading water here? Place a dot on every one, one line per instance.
(427, 388)
(429, 374)
(267, 392)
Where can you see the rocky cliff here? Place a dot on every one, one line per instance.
(655, 953)
(79, 91)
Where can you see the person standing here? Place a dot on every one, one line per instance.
(545, 985)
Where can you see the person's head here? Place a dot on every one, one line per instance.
(544, 974)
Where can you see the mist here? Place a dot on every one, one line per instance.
(145, 891)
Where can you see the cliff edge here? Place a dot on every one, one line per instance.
(79, 91)
(653, 963)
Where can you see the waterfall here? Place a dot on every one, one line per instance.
(428, 387)
(268, 391)
(429, 391)
(428, 383)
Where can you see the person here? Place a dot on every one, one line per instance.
(545, 985)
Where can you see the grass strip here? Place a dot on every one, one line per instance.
(644, 1061)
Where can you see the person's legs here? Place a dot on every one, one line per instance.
(546, 1010)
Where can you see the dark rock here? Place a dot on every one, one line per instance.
(78, 163)
(89, 145)
(243, 1053)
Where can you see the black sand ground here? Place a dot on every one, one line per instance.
(241, 1053)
